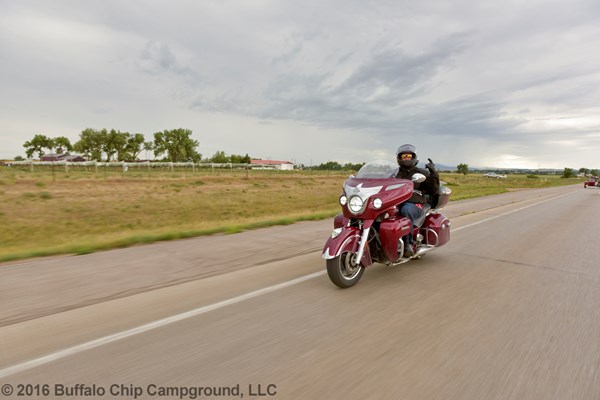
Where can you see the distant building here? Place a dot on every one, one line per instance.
(74, 158)
(62, 157)
(272, 164)
(52, 157)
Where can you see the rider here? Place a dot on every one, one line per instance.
(413, 208)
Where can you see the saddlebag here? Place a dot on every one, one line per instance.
(436, 230)
(441, 199)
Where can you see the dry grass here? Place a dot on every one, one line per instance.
(40, 214)
(45, 213)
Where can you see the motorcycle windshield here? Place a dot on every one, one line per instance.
(377, 170)
(376, 178)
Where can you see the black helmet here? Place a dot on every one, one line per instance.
(407, 149)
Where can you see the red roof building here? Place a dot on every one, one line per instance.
(272, 164)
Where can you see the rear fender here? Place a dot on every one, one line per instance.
(347, 240)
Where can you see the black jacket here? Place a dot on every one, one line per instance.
(429, 186)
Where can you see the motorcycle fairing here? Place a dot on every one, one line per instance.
(390, 191)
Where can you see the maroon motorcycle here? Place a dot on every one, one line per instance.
(370, 229)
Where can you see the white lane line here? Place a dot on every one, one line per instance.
(147, 327)
(511, 212)
(198, 311)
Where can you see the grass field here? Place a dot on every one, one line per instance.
(50, 212)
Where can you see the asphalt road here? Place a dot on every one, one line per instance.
(509, 309)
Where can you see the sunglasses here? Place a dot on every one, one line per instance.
(406, 156)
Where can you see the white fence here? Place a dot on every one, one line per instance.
(148, 165)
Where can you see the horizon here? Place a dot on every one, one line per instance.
(440, 166)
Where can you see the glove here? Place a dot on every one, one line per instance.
(430, 165)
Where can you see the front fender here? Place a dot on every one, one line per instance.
(347, 241)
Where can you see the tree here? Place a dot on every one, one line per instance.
(584, 171)
(19, 158)
(239, 159)
(177, 144)
(37, 145)
(148, 146)
(353, 167)
(113, 142)
(121, 142)
(134, 146)
(61, 144)
(330, 165)
(220, 158)
(462, 169)
(568, 173)
(90, 144)
(594, 172)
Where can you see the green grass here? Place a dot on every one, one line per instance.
(476, 185)
(51, 212)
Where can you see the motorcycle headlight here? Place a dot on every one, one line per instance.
(377, 203)
(355, 204)
(343, 200)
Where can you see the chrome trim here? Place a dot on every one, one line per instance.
(396, 186)
(363, 193)
(361, 246)
(336, 232)
(400, 261)
(328, 256)
(362, 207)
(400, 247)
(422, 250)
(437, 238)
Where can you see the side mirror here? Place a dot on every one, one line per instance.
(418, 178)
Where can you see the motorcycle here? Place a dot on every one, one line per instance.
(371, 230)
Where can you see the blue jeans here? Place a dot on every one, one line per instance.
(412, 212)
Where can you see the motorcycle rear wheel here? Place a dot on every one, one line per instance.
(343, 272)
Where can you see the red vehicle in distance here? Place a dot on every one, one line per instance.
(591, 181)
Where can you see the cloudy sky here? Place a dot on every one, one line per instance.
(503, 83)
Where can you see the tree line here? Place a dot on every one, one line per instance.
(336, 166)
(176, 145)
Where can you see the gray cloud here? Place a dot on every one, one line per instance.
(159, 55)
(379, 94)
(477, 82)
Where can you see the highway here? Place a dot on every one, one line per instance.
(508, 309)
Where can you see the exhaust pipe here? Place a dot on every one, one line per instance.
(422, 250)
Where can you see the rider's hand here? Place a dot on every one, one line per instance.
(430, 165)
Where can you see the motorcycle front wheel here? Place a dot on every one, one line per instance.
(342, 270)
